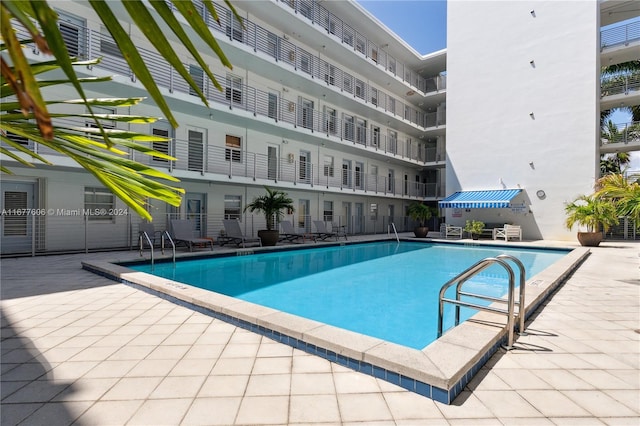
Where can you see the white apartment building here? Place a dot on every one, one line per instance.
(524, 102)
(325, 103)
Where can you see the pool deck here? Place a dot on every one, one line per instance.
(79, 348)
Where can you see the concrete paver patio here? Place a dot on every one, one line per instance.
(81, 349)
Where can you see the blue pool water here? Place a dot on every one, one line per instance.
(384, 289)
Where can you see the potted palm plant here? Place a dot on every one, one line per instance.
(271, 205)
(474, 227)
(592, 212)
(422, 213)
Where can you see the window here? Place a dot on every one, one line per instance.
(234, 28)
(106, 124)
(273, 105)
(307, 113)
(348, 84)
(374, 95)
(360, 44)
(232, 207)
(305, 62)
(99, 202)
(391, 181)
(272, 45)
(161, 146)
(72, 30)
(391, 105)
(198, 77)
(391, 66)
(305, 8)
(373, 210)
(196, 151)
(393, 138)
(374, 54)
(361, 131)
(359, 175)
(346, 173)
(348, 127)
(330, 74)
(327, 212)
(107, 45)
(233, 91)
(360, 88)
(233, 152)
(330, 123)
(328, 165)
(347, 36)
(375, 136)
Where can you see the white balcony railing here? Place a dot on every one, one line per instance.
(620, 35)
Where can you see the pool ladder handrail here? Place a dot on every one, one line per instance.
(393, 226)
(145, 236)
(461, 278)
(173, 245)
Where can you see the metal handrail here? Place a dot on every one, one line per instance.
(521, 290)
(461, 278)
(173, 245)
(393, 226)
(146, 236)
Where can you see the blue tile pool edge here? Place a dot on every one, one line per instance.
(457, 381)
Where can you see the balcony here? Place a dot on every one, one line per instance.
(620, 90)
(627, 138)
(281, 109)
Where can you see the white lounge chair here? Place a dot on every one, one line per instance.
(182, 231)
(233, 234)
(447, 231)
(509, 231)
(289, 233)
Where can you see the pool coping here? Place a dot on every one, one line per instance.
(439, 371)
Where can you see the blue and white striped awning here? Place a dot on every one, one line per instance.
(491, 199)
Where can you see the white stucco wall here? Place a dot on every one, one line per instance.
(492, 140)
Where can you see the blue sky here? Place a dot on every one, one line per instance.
(421, 23)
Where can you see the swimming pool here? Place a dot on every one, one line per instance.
(384, 290)
(439, 371)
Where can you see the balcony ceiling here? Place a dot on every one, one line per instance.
(350, 13)
(620, 53)
(612, 11)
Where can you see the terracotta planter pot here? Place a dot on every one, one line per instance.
(590, 239)
(269, 237)
(421, 231)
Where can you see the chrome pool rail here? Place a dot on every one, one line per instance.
(461, 278)
(393, 226)
(173, 245)
(143, 236)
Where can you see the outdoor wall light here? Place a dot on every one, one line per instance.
(532, 115)
(541, 194)
(532, 63)
(532, 165)
(533, 13)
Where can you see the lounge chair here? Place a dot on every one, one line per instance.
(322, 232)
(289, 233)
(153, 235)
(447, 231)
(233, 234)
(509, 231)
(183, 233)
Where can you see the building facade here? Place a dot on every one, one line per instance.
(326, 104)
(524, 100)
